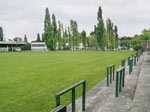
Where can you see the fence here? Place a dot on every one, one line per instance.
(120, 79)
(72, 88)
(110, 72)
(120, 82)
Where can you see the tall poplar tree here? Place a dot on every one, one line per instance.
(38, 38)
(25, 38)
(116, 37)
(54, 26)
(100, 30)
(1, 34)
(59, 35)
(84, 40)
(48, 34)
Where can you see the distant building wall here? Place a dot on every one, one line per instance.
(38, 46)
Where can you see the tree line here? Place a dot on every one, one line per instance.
(106, 37)
(1, 34)
(56, 36)
(59, 37)
(135, 42)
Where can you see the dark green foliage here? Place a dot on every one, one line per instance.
(42, 37)
(99, 14)
(100, 30)
(26, 46)
(125, 42)
(38, 38)
(25, 38)
(54, 25)
(17, 39)
(48, 31)
(75, 33)
(100, 34)
(60, 38)
(92, 42)
(1, 34)
(116, 37)
(84, 40)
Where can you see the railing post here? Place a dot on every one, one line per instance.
(110, 74)
(107, 76)
(123, 63)
(137, 55)
(132, 65)
(134, 60)
(128, 60)
(123, 81)
(57, 100)
(113, 72)
(84, 96)
(132, 55)
(120, 82)
(117, 78)
(73, 100)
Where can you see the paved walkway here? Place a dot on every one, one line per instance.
(141, 102)
(102, 98)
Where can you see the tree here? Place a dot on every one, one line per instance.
(43, 37)
(26, 46)
(70, 38)
(75, 33)
(116, 37)
(54, 25)
(100, 30)
(84, 40)
(110, 34)
(99, 14)
(38, 38)
(25, 38)
(92, 41)
(48, 33)
(17, 39)
(1, 34)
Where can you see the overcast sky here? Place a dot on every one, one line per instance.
(19, 17)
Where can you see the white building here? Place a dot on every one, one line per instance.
(38, 46)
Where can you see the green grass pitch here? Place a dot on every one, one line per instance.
(30, 80)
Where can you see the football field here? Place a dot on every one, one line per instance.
(30, 80)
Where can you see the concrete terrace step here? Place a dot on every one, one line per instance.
(102, 98)
(141, 102)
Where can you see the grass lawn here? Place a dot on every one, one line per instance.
(30, 80)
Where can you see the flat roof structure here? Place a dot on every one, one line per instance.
(11, 43)
(6, 46)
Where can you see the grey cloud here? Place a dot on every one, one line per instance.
(19, 17)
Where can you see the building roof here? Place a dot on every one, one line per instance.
(37, 42)
(11, 43)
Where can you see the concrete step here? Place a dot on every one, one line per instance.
(141, 102)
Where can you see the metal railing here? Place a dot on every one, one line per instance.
(120, 80)
(72, 88)
(61, 108)
(130, 65)
(110, 73)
